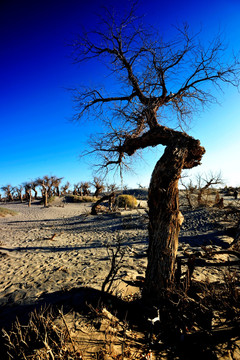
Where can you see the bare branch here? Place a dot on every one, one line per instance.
(148, 68)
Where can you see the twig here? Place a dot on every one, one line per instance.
(60, 312)
(115, 266)
(53, 236)
(49, 350)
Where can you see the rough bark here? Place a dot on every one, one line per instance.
(164, 216)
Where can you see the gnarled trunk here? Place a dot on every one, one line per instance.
(164, 216)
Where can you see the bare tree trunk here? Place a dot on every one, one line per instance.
(35, 192)
(29, 198)
(164, 220)
(44, 195)
(45, 198)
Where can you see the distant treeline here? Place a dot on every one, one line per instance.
(48, 186)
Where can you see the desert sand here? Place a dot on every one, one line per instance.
(44, 250)
(48, 251)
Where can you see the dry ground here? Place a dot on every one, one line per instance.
(61, 255)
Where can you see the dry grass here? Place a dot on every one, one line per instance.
(124, 201)
(4, 212)
(48, 336)
(40, 339)
(201, 322)
(108, 338)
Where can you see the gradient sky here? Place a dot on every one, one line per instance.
(37, 135)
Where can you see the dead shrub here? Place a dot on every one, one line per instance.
(40, 339)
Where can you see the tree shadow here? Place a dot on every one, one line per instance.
(93, 245)
(213, 238)
(109, 222)
(80, 223)
(136, 313)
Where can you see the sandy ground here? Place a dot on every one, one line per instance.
(44, 250)
(47, 250)
(50, 249)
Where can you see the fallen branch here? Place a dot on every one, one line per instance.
(105, 197)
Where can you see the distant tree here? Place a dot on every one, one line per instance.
(19, 191)
(154, 81)
(49, 181)
(85, 188)
(99, 186)
(78, 189)
(49, 186)
(199, 187)
(34, 185)
(28, 192)
(8, 192)
(45, 183)
(189, 190)
(206, 182)
(65, 188)
(56, 184)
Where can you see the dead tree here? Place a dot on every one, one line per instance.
(65, 188)
(85, 189)
(45, 184)
(156, 80)
(77, 189)
(49, 180)
(206, 182)
(112, 189)
(99, 186)
(19, 191)
(28, 193)
(34, 185)
(56, 184)
(188, 192)
(8, 192)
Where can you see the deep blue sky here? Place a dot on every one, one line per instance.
(37, 136)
